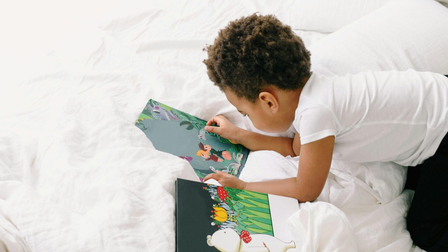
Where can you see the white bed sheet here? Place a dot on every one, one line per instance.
(77, 175)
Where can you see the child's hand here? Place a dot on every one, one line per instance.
(225, 129)
(226, 180)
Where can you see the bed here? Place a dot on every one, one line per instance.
(76, 174)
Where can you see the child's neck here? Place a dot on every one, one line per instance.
(293, 96)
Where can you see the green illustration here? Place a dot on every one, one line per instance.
(240, 210)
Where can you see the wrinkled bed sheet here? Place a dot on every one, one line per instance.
(77, 175)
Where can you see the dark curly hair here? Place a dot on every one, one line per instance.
(255, 51)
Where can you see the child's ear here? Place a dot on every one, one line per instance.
(269, 101)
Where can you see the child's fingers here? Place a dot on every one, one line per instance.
(209, 176)
(216, 176)
(217, 120)
(220, 173)
(211, 122)
(212, 129)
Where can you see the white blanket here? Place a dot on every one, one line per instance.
(77, 175)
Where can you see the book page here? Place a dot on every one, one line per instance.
(281, 209)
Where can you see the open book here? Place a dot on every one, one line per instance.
(183, 135)
(216, 218)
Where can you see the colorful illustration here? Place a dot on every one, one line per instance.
(184, 135)
(239, 205)
(244, 221)
(227, 240)
(216, 218)
(208, 153)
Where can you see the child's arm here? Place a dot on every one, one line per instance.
(315, 161)
(251, 140)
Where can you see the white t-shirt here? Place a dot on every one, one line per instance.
(376, 116)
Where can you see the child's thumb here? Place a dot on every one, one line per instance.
(211, 129)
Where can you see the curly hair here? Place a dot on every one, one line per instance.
(256, 51)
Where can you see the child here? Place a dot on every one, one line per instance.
(264, 70)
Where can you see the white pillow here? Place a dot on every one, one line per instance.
(317, 15)
(409, 34)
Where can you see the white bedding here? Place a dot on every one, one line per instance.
(77, 175)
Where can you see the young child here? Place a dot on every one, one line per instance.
(264, 70)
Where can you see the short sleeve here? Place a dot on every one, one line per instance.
(314, 123)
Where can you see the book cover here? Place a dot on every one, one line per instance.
(216, 218)
(183, 135)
